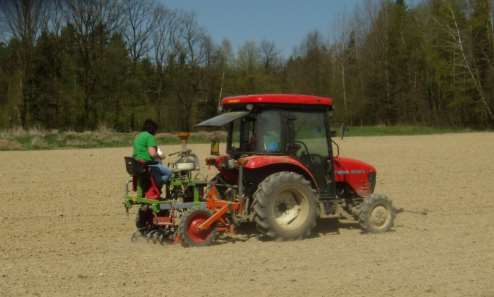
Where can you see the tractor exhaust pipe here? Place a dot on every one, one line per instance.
(241, 198)
(241, 193)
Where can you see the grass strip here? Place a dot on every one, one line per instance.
(35, 139)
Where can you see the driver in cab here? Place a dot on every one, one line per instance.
(272, 142)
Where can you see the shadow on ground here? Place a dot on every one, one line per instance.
(248, 231)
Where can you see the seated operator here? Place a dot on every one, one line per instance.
(271, 141)
(146, 149)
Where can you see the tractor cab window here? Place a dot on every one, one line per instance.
(269, 131)
(242, 135)
(235, 136)
(308, 141)
(308, 131)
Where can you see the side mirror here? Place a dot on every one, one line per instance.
(215, 148)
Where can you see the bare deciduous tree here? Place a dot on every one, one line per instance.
(141, 18)
(270, 55)
(457, 43)
(91, 20)
(248, 57)
(162, 37)
(23, 18)
(163, 50)
(53, 19)
(87, 15)
(190, 41)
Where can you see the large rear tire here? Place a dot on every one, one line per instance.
(285, 206)
(377, 214)
(190, 234)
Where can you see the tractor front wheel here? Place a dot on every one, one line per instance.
(377, 214)
(285, 206)
(189, 231)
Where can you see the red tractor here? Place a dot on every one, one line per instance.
(281, 172)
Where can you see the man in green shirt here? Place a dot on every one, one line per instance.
(146, 149)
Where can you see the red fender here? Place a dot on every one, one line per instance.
(260, 161)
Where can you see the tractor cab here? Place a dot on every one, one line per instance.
(291, 131)
(281, 170)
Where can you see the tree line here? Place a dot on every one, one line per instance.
(83, 64)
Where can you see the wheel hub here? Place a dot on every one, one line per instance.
(379, 216)
(195, 233)
(287, 208)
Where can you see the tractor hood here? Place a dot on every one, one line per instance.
(351, 166)
(222, 119)
(360, 176)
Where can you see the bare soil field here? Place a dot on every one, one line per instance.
(64, 231)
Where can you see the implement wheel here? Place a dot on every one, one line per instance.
(189, 231)
(285, 206)
(377, 214)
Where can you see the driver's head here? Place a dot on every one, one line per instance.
(150, 126)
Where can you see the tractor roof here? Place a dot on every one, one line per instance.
(291, 99)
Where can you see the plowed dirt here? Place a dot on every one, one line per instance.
(64, 231)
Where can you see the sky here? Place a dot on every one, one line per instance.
(285, 22)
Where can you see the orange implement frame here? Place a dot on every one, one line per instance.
(219, 208)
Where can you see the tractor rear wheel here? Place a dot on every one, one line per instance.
(377, 214)
(189, 232)
(285, 206)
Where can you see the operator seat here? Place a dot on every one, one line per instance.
(143, 180)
